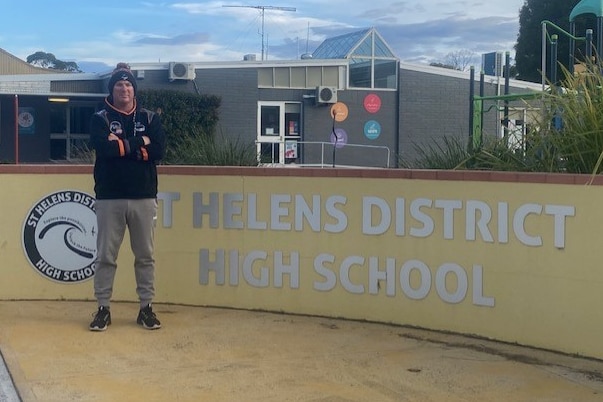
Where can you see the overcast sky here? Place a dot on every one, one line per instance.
(98, 34)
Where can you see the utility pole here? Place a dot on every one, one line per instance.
(263, 11)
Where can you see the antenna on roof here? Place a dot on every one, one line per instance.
(307, 36)
(263, 10)
(307, 55)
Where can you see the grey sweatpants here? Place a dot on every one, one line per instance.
(113, 216)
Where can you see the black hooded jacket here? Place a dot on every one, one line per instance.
(125, 168)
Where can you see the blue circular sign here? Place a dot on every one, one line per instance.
(372, 129)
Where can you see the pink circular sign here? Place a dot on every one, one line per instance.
(372, 103)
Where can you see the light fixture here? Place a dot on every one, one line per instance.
(60, 100)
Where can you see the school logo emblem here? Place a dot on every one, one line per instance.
(59, 236)
(115, 128)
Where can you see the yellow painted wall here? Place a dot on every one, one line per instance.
(548, 296)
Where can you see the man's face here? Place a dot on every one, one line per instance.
(123, 94)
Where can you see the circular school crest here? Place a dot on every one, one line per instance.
(59, 236)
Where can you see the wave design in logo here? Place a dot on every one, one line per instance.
(68, 238)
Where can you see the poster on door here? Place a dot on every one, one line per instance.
(291, 149)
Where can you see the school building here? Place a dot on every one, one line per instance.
(350, 103)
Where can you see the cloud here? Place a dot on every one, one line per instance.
(393, 11)
(204, 8)
(152, 30)
(193, 38)
(432, 40)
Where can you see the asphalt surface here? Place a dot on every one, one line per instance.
(213, 354)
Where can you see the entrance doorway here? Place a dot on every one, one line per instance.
(279, 132)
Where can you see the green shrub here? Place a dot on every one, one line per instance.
(452, 154)
(83, 154)
(184, 116)
(201, 149)
(577, 146)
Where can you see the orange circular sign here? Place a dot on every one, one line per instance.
(339, 111)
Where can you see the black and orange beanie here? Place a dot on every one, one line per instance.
(122, 72)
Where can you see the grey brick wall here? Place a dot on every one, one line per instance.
(435, 106)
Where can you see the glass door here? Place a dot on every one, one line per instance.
(279, 130)
(292, 132)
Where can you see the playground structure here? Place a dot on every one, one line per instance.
(514, 119)
(515, 134)
(586, 7)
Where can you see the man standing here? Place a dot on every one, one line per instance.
(129, 141)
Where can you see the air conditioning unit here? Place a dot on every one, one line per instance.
(326, 94)
(181, 71)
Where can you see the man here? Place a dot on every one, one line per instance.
(129, 141)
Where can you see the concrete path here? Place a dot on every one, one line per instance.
(8, 392)
(211, 354)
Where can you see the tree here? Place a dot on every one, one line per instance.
(528, 49)
(459, 59)
(442, 65)
(49, 61)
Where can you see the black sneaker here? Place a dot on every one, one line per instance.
(102, 319)
(147, 318)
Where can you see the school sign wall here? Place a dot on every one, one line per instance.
(509, 260)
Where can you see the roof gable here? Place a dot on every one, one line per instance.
(363, 43)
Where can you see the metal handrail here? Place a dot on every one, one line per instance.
(323, 145)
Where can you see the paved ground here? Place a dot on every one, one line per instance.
(210, 354)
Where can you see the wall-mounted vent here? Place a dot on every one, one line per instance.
(181, 71)
(326, 94)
